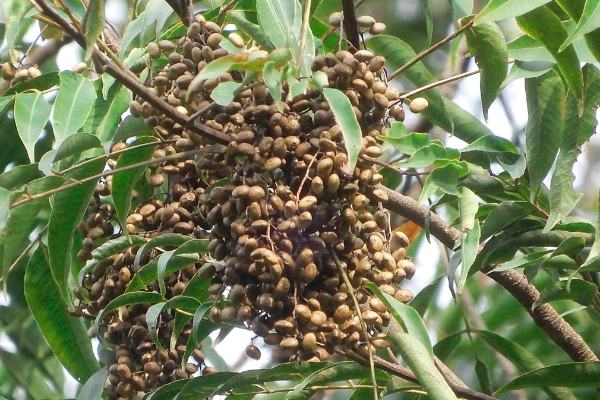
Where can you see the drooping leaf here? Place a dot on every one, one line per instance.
(406, 316)
(502, 216)
(68, 209)
(107, 249)
(252, 30)
(416, 356)
(124, 182)
(577, 130)
(522, 359)
(125, 300)
(66, 335)
(486, 43)
(166, 240)
(546, 107)
(20, 221)
(197, 246)
(94, 387)
(571, 375)
(498, 10)
(345, 116)
(526, 69)
(149, 273)
(31, 115)
(543, 25)
(93, 25)
(19, 176)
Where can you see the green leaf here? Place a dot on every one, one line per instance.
(497, 10)
(483, 376)
(72, 105)
(463, 124)
(416, 356)
(202, 385)
(194, 246)
(546, 107)
(20, 222)
(168, 239)
(502, 216)
(543, 25)
(575, 289)
(31, 115)
(214, 69)
(254, 31)
(595, 250)
(467, 207)
(66, 335)
(486, 42)
(577, 130)
(125, 300)
(404, 142)
(589, 20)
(124, 182)
(94, 387)
(5, 196)
(75, 145)
(225, 92)
(492, 145)
(406, 316)
(527, 69)
(469, 250)
(571, 375)
(131, 127)
(427, 155)
(107, 249)
(19, 176)
(106, 111)
(444, 178)
(398, 53)
(276, 18)
(42, 83)
(273, 81)
(26, 374)
(68, 209)
(344, 115)
(184, 303)
(149, 273)
(93, 25)
(522, 359)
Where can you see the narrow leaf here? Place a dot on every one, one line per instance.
(406, 316)
(571, 375)
(577, 130)
(66, 335)
(344, 115)
(68, 209)
(486, 42)
(589, 20)
(546, 107)
(94, 387)
(31, 115)
(75, 145)
(106, 111)
(419, 361)
(254, 31)
(543, 25)
(276, 18)
(93, 25)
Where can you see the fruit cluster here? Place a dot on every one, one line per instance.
(293, 234)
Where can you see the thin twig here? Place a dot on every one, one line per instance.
(175, 156)
(428, 51)
(303, 31)
(336, 260)
(350, 25)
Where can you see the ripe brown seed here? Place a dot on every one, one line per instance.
(153, 50)
(318, 318)
(365, 21)
(253, 352)
(290, 343)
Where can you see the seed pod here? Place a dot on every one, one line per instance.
(253, 352)
(335, 19)
(377, 28)
(153, 50)
(365, 21)
(418, 104)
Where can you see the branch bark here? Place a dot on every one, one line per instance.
(544, 316)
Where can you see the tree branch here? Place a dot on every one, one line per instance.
(544, 316)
